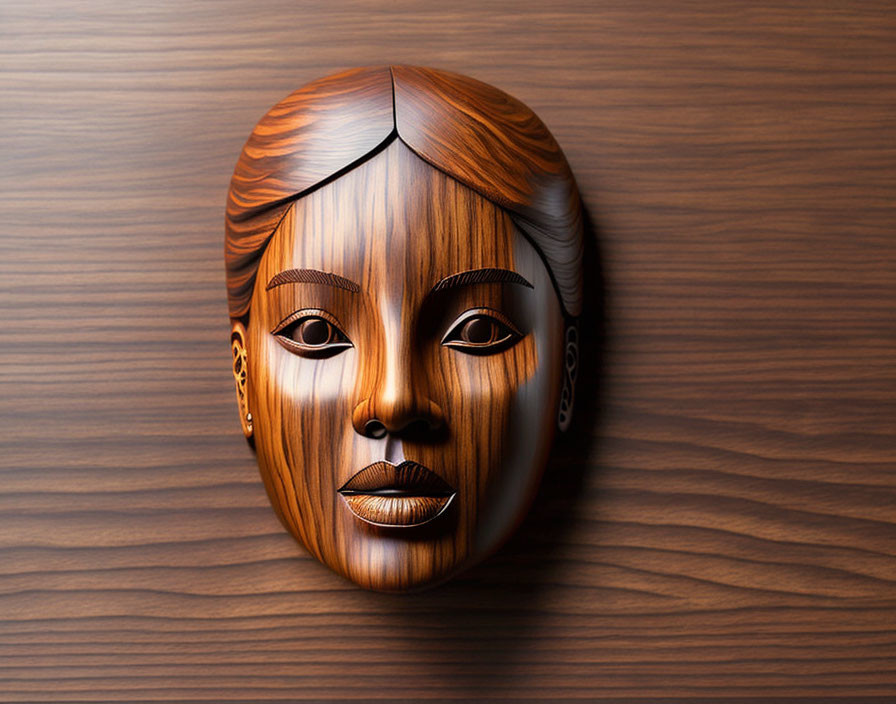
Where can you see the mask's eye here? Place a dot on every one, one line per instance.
(311, 333)
(481, 331)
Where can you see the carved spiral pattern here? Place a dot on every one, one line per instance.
(570, 370)
(239, 371)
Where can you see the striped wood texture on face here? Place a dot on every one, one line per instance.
(396, 228)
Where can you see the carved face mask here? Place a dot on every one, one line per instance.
(404, 366)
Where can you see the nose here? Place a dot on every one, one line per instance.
(374, 418)
(395, 398)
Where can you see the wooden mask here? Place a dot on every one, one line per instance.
(403, 251)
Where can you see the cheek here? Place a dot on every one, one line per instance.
(492, 381)
(303, 406)
(302, 412)
(483, 397)
(520, 443)
(297, 381)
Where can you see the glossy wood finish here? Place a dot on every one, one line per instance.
(480, 419)
(381, 382)
(721, 526)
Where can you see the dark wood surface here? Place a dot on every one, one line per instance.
(722, 523)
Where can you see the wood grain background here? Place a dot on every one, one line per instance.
(721, 524)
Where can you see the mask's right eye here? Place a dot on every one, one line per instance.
(311, 333)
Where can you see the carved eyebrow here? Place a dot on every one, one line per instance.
(481, 276)
(311, 276)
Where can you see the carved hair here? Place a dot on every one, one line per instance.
(474, 132)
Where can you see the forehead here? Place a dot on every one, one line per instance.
(391, 221)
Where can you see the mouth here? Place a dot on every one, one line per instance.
(404, 495)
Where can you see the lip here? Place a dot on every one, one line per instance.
(403, 495)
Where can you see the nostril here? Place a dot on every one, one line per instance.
(374, 429)
(418, 427)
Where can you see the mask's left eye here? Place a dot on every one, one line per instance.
(311, 333)
(481, 331)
